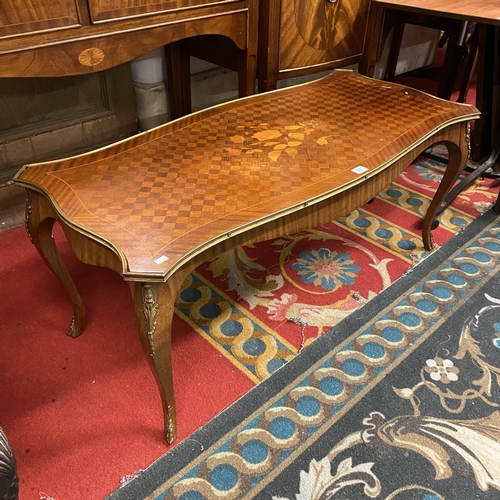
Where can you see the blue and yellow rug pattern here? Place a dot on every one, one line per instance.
(398, 401)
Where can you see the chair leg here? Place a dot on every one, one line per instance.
(392, 60)
(470, 66)
(179, 75)
(454, 51)
(444, 38)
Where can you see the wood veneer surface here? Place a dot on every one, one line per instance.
(168, 192)
(102, 10)
(317, 32)
(485, 11)
(74, 37)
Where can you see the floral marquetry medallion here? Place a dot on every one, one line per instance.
(283, 137)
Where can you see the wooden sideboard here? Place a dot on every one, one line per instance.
(82, 39)
(70, 37)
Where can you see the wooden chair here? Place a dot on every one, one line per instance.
(454, 37)
(472, 47)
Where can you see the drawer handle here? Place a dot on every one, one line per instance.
(331, 1)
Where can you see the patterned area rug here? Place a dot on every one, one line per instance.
(245, 302)
(398, 401)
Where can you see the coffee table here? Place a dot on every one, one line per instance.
(155, 206)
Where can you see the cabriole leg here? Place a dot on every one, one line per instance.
(458, 154)
(40, 229)
(154, 310)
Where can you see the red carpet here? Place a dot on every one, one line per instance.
(82, 413)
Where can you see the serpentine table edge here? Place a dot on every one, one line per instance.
(155, 206)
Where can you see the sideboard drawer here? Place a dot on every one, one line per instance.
(109, 10)
(36, 16)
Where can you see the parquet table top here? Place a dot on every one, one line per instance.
(164, 194)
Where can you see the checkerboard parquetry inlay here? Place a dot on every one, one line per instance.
(240, 163)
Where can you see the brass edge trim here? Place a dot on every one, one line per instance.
(72, 225)
(400, 85)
